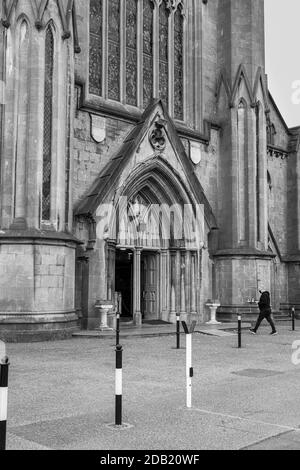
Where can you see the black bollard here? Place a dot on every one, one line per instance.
(178, 332)
(4, 366)
(293, 319)
(118, 386)
(239, 331)
(118, 322)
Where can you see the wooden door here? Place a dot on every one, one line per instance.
(149, 286)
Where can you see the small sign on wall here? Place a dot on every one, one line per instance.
(195, 152)
(98, 128)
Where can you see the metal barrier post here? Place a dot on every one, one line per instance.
(118, 386)
(4, 366)
(178, 332)
(189, 369)
(239, 331)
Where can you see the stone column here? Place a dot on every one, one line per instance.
(262, 180)
(137, 314)
(110, 266)
(193, 283)
(173, 282)
(111, 263)
(188, 282)
(22, 128)
(183, 312)
(164, 278)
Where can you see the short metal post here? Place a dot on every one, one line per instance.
(293, 319)
(118, 321)
(178, 332)
(4, 366)
(118, 386)
(239, 331)
(189, 371)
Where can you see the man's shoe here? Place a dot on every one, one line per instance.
(252, 331)
(274, 333)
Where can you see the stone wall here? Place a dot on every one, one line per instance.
(278, 202)
(91, 157)
(37, 294)
(207, 170)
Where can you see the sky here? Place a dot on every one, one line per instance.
(282, 20)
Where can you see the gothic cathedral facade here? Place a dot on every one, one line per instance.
(117, 109)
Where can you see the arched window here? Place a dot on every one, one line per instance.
(131, 52)
(136, 52)
(48, 116)
(164, 52)
(114, 50)
(178, 65)
(147, 51)
(95, 66)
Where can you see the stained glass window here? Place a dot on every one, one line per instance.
(114, 50)
(127, 59)
(164, 53)
(131, 52)
(147, 51)
(95, 62)
(178, 65)
(47, 144)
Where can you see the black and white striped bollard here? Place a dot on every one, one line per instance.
(189, 368)
(4, 365)
(239, 331)
(178, 332)
(118, 385)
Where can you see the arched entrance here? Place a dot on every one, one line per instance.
(154, 246)
(151, 207)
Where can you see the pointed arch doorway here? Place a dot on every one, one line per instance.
(126, 282)
(156, 263)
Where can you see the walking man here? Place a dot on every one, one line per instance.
(265, 312)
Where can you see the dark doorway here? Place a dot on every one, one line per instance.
(149, 280)
(124, 281)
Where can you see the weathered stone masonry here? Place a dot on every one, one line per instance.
(85, 84)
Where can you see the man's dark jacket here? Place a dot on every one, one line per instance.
(265, 304)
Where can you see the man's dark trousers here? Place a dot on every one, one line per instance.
(268, 317)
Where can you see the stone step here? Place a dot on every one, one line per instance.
(282, 317)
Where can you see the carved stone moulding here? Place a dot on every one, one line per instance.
(157, 137)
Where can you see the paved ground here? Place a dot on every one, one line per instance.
(61, 395)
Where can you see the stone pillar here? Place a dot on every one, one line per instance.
(137, 314)
(183, 311)
(111, 264)
(22, 126)
(262, 202)
(164, 282)
(188, 282)
(173, 282)
(193, 284)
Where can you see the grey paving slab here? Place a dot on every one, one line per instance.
(61, 394)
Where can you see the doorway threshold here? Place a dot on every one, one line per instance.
(128, 331)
